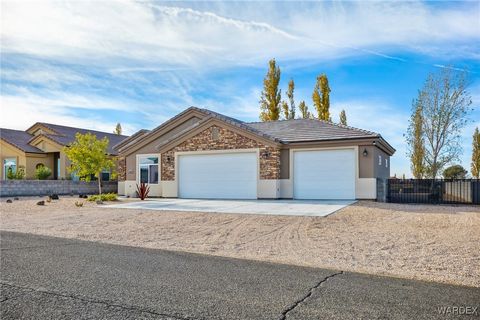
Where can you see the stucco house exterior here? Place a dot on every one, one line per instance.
(42, 144)
(203, 154)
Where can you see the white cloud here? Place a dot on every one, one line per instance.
(108, 32)
(21, 111)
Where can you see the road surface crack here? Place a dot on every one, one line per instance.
(96, 301)
(290, 308)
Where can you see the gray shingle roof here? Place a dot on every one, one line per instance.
(18, 139)
(67, 134)
(133, 138)
(302, 130)
(240, 124)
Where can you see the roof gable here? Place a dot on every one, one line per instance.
(19, 139)
(273, 132)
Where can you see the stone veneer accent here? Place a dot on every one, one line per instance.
(224, 140)
(121, 169)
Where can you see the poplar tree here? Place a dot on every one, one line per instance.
(303, 108)
(321, 98)
(285, 110)
(416, 142)
(343, 117)
(475, 167)
(118, 129)
(271, 95)
(291, 99)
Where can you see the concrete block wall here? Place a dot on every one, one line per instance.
(18, 188)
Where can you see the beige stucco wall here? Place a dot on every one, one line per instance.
(27, 161)
(48, 146)
(33, 160)
(7, 151)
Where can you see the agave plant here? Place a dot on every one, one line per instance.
(143, 190)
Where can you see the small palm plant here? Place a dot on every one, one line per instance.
(143, 190)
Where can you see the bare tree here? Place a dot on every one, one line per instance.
(444, 101)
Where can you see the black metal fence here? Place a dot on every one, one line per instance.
(437, 191)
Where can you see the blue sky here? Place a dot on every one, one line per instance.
(92, 64)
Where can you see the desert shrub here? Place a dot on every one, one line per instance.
(142, 190)
(103, 197)
(42, 172)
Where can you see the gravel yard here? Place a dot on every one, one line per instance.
(434, 243)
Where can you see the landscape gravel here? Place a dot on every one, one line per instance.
(424, 242)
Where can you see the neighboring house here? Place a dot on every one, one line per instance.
(203, 154)
(42, 144)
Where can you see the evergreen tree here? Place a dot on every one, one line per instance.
(343, 118)
(271, 95)
(321, 98)
(475, 167)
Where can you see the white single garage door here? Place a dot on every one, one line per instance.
(326, 174)
(218, 176)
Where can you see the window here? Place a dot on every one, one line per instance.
(148, 169)
(386, 163)
(105, 175)
(58, 168)
(379, 160)
(9, 168)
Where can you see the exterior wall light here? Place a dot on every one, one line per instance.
(265, 155)
(365, 152)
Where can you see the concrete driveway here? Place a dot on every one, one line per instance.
(317, 208)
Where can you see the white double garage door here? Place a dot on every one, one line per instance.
(317, 174)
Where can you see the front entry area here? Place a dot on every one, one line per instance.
(324, 174)
(218, 175)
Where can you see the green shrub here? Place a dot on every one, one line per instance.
(42, 173)
(19, 174)
(103, 197)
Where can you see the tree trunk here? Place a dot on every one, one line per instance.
(99, 183)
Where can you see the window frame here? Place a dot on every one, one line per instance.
(379, 160)
(139, 166)
(5, 168)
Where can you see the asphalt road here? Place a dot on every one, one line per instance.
(54, 278)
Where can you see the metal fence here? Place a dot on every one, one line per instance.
(437, 191)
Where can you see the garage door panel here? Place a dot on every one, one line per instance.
(218, 176)
(324, 174)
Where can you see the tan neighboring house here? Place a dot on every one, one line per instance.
(42, 144)
(203, 154)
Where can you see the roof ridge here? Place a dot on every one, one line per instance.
(320, 120)
(48, 125)
(240, 124)
(346, 126)
(14, 130)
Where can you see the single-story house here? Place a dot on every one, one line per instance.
(203, 154)
(42, 145)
